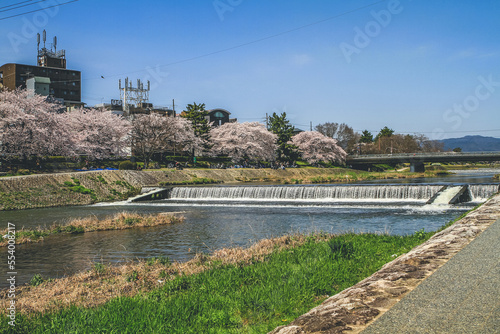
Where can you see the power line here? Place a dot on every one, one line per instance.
(15, 4)
(37, 10)
(256, 40)
(30, 4)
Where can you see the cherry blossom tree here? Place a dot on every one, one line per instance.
(149, 135)
(98, 134)
(182, 137)
(244, 141)
(32, 127)
(316, 147)
(154, 133)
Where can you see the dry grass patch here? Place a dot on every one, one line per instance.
(120, 221)
(102, 283)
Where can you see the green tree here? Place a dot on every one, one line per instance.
(385, 132)
(198, 117)
(280, 125)
(366, 137)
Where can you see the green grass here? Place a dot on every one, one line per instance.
(194, 180)
(76, 187)
(252, 298)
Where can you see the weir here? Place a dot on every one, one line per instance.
(151, 193)
(388, 192)
(451, 195)
(332, 192)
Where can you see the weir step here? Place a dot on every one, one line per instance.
(151, 193)
(451, 195)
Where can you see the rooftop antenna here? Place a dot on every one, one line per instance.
(55, 43)
(38, 41)
(44, 37)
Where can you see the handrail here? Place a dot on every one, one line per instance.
(434, 154)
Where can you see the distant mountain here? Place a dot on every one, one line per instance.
(473, 144)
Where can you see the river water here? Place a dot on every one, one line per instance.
(217, 217)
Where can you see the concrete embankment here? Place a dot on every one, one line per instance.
(81, 188)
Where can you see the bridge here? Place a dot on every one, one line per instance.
(417, 160)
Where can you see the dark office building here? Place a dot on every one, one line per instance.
(64, 84)
(219, 116)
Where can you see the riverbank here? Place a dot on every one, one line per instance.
(82, 188)
(252, 289)
(120, 221)
(249, 290)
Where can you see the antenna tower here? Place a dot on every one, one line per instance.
(133, 95)
(52, 57)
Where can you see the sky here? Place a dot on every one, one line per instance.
(416, 66)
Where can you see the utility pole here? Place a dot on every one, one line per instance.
(311, 126)
(267, 121)
(173, 107)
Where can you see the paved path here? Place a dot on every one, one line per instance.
(463, 296)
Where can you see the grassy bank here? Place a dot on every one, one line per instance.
(82, 188)
(49, 190)
(193, 181)
(231, 291)
(119, 221)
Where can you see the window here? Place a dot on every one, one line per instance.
(218, 114)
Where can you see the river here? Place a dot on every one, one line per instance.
(225, 219)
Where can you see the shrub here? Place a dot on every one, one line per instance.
(99, 268)
(134, 276)
(127, 165)
(101, 179)
(163, 260)
(131, 221)
(36, 280)
(73, 229)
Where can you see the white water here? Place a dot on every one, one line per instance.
(308, 193)
(481, 192)
(330, 193)
(447, 195)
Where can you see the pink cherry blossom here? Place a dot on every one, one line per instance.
(244, 140)
(316, 147)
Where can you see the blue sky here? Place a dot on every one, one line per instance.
(429, 67)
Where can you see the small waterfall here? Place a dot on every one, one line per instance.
(362, 192)
(448, 194)
(481, 192)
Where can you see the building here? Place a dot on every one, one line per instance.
(143, 108)
(63, 84)
(219, 116)
(38, 85)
